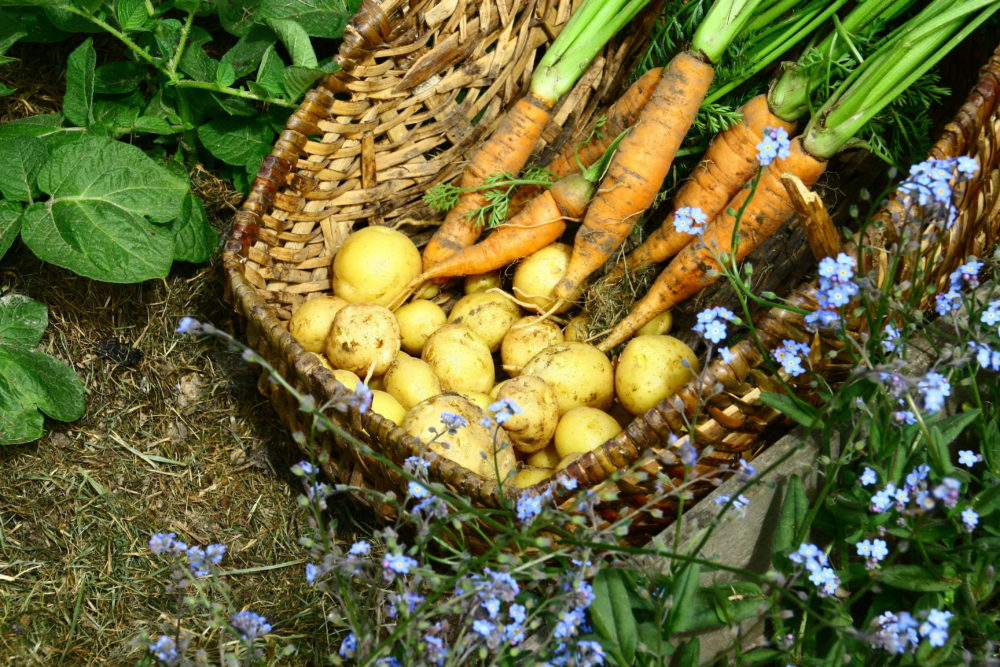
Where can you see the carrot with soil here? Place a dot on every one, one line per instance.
(754, 215)
(639, 168)
(512, 143)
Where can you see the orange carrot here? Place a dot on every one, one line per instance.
(638, 168)
(729, 162)
(695, 266)
(540, 223)
(507, 150)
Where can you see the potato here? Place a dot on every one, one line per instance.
(478, 398)
(364, 336)
(579, 373)
(471, 445)
(418, 320)
(374, 264)
(576, 329)
(460, 359)
(347, 378)
(526, 338)
(650, 369)
(480, 282)
(312, 320)
(383, 403)
(411, 380)
(534, 427)
(530, 476)
(487, 314)
(538, 273)
(583, 429)
(658, 325)
(544, 458)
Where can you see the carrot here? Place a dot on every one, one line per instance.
(506, 151)
(540, 223)
(695, 266)
(638, 168)
(729, 162)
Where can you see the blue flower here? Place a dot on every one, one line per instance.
(890, 343)
(189, 325)
(492, 607)
(349, 646)
(882, 500)
(165, 650)
(569, 624)
(250, 625)
(215, 552)
(864, 548)
(311, 573)
(935, 627)
(948, 491)
(414, 463)
(589, 653)
(568, 483)
(504, 409)
(360, 548)
(436, 650)
(397, 564)
(453, 422)
(986, 356)
(726, 354)
(483, 627)
(968, 458)
(746, 471)
(966, 275)
(790, 355)
(966, 166)
(689, 220)
(417, 490)
(868, 477)
(879, 550)
(904, 417)
(161, 542)
(947, 302)
(935, 388)
(304, 468)
(711, 325)
(362, 397)
(528, 507)
(991, 316)
(775, 144)
(822, 319)
(970, 518)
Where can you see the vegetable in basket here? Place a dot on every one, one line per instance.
(645, 155)
(755, 214)
(510, 146)
(731, 158)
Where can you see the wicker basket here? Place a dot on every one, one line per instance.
(421, 84)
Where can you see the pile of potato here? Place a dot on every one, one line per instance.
(422, 362)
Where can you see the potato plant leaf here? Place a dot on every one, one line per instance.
(131, 14)
(238, 141)
(10, 224)
(20, 159)
(104, 198)
(31, 382)
(194, 238)
(296, 40)
(319, 18)
(78, 103)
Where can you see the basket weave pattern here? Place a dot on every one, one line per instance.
(421, 84)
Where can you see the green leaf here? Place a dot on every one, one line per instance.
(118, 78)
(47, 127)
(237, 16)
(22, 320)
(951, 427)
(10, 224)
(247, 53)
(297, 80)
(167, 34)
(986, 502)
(270, 74)
(684, 591)
(225, 75)
(991, 446)
(794, 510)
(78, 103)
(762, 655)
(151, 125)
(296, 40)
(20, 159)
(915, 578)
(5, 89)
(104, 194)
(801, 412)
(30, 380)
(131, 14)
(117, 114)
(626, 629)
(69, 22)
(195, 62)
(319, 18)
(601, 611)
(690, 654)
(238, 141)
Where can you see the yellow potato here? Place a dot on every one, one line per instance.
(364, 336)
(481, 282)
(411, 380)
(526, 338)
(544, 458)
(658, 325)
(347, 378)
(538, 273)
(374, 264)
(460, 359)
(533, 428)
(566, 461)
(478, 398)
(530, 476)
(312, 320)
(386, 405)
(650, 369)
(488, 314)
(472, 445)
(418, 320)
(579, 373)
(583, 429)
(576, 329)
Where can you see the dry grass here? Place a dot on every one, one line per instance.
(179, 442)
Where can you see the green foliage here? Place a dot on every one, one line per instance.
(496, 188)
(31, 381)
